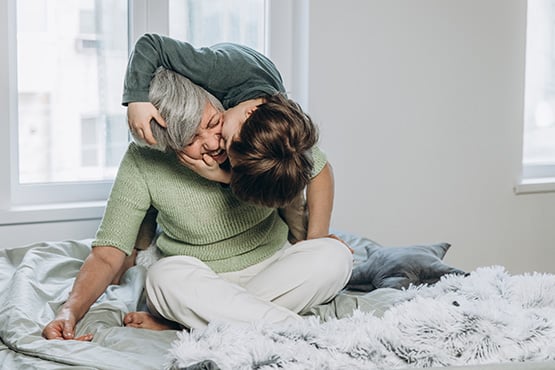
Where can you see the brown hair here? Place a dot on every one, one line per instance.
(272, 157)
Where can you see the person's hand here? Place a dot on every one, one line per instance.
(139, 115)
(63, 327)
(206, 167)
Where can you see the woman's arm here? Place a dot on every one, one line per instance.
(152, 51)
(128, 203)
(98, 271)
(232, 73)
(319, 197)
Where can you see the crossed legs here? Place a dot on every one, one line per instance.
(184, 290)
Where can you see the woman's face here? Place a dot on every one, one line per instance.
(208, 138)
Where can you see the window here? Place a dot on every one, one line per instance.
(207, 22)
(82, 47)
(539, 121)
(69, 77)
(61, 75)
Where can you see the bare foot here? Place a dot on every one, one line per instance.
(145, 320)
(127, 264)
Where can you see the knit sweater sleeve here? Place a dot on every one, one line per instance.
(320, 160)
(127, 205)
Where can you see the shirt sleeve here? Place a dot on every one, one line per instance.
(126, 208)
(320, 160)
(230, 72)
(152, 51)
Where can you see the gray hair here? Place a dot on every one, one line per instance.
(181, 103)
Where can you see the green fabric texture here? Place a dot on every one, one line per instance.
(231, 72)
(198, 217)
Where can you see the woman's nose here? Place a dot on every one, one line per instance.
(213, 142)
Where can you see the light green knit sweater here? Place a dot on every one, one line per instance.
(198, 217)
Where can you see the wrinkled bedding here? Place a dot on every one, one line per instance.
(36, 279)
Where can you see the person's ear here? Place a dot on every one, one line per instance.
(250, 111)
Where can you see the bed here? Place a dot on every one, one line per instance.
(487, 319)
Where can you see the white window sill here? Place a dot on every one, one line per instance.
(52, 213)
(531, 186)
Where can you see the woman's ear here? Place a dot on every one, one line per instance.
(249, 111)
(251, 106)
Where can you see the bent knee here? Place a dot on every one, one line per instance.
(333, 262)
(170, 270)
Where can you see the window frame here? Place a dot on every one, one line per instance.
(534, 178)
(32, 203)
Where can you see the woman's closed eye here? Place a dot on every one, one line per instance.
(214, 123)
(192, 140)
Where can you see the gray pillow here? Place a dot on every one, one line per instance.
(377, 266)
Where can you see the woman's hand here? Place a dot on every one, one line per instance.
(63, 327)
(139, 115)
(100, 268)
(206, 167)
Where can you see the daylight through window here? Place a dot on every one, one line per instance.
(539, 121)
(71, 59)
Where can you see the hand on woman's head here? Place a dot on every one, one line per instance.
(139, 116)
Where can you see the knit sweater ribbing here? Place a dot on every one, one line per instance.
(198, 217)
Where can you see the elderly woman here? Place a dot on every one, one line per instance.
(268, 138)
(224, 259)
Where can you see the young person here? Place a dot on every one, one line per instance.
(270, 140)
(224, 259)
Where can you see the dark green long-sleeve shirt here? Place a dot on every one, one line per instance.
(231, 72)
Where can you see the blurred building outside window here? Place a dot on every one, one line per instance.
(71, 59)
(539, 113)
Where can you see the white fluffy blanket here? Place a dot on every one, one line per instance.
(487, 317)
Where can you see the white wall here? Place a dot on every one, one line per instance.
(420, 106)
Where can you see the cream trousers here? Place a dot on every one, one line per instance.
(185, 290)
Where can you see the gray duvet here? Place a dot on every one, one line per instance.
(35, 280)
